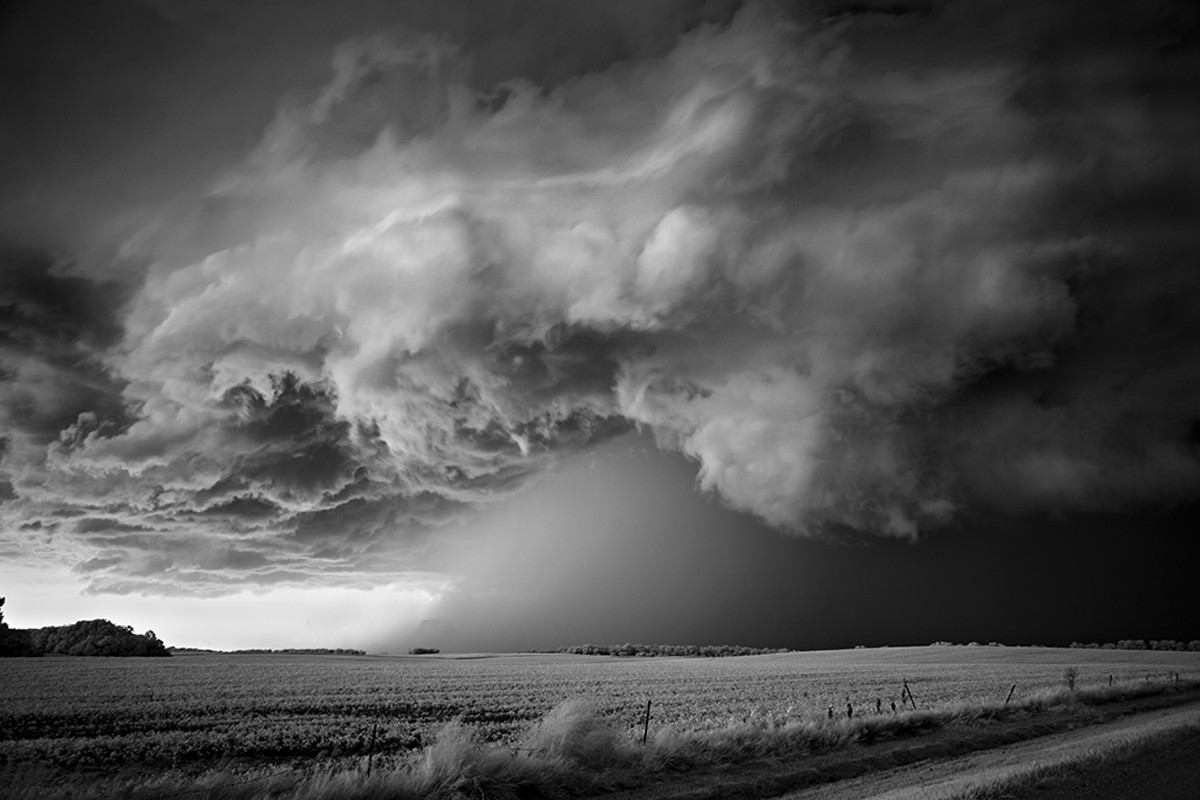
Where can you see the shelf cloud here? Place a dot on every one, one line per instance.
(866, 270)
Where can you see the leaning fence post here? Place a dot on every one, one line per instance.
(1010, 694)
(908, 691)
(646, 726)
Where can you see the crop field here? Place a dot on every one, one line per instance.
(197, 709)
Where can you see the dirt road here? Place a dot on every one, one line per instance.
(951, 778)
(1170, 772)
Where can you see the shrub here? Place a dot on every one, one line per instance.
(576, 731)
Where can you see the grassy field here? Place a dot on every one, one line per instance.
(64, 717)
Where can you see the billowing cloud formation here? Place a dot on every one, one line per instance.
(864, 269)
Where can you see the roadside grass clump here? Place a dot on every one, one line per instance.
(577, 732)
(573, 750)
(457, 765)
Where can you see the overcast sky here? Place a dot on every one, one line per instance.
(519, 324)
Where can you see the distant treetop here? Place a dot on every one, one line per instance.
(651, 650)
(1141, 644)
(297, 651)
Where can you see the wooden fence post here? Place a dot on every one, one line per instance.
(646, 725)
(371, 747)
(1010, 694)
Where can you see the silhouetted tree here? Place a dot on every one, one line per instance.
(13, 643)
(96, 637)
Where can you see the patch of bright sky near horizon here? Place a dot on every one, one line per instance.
(275, 619)
(870, 272)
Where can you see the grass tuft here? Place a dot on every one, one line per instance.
(577, 732)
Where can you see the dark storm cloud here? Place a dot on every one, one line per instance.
(55, 328)
(277, 481)
(866, 265)
(114, 107)
(100, 524)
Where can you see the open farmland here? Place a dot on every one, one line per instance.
(196, 709)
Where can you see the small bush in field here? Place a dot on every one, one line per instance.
(1070, 675)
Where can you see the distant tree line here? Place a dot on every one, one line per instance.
(651, 650)
(1123, 644)
(1141, 644)
(423, 651)
(295, 651)
(93, 637)
(299, 651)
(177, 649)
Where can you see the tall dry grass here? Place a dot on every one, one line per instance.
(574, 751)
